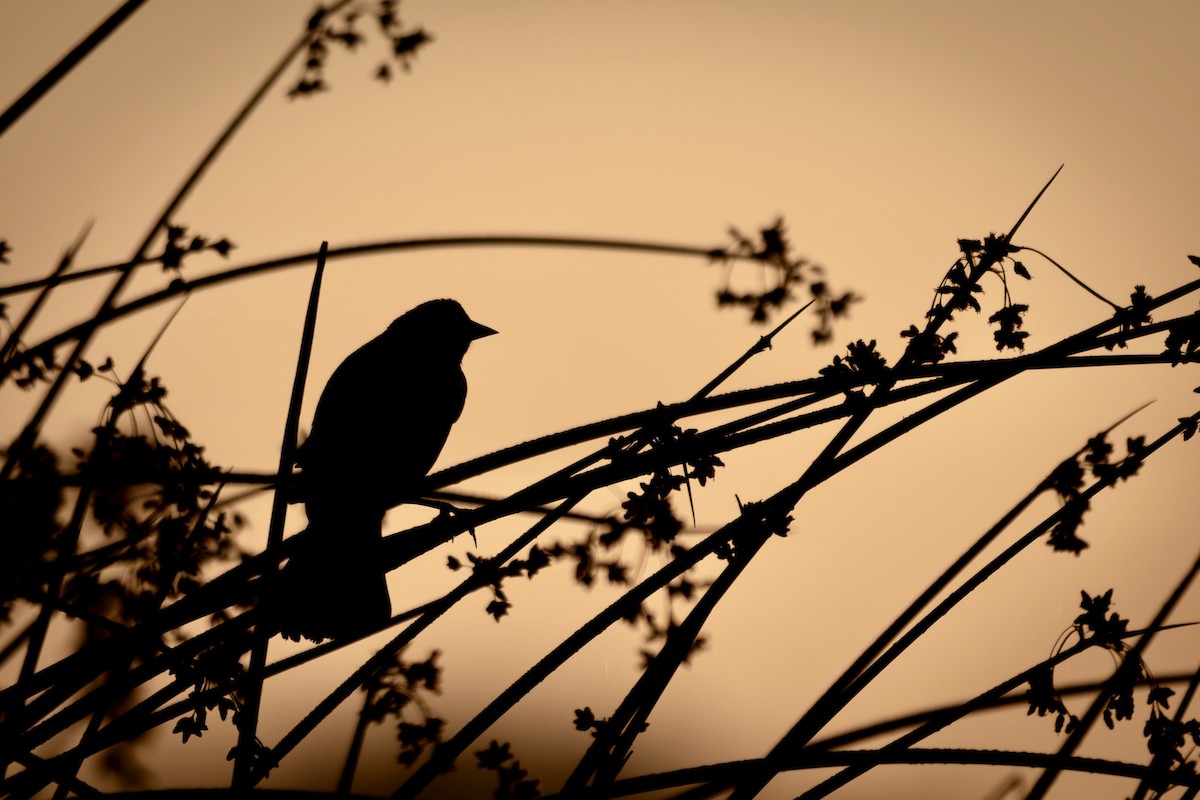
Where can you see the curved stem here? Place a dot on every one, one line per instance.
(1077, 281)
(398, 245)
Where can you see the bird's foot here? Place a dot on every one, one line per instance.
(448, 511)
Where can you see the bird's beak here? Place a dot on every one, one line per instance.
(477, 331)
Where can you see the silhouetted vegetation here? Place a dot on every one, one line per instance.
(133, 539)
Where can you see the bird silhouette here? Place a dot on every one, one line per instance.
(379, 426)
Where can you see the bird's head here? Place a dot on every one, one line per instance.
(441, 324)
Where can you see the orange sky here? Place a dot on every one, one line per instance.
(880, 131)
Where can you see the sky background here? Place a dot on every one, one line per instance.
(881, 132)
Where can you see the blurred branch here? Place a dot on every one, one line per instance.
(68, 62)
(85, 332)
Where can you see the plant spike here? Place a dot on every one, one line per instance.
(247, 746)
(1013, 231)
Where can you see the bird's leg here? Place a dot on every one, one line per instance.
(444, 509)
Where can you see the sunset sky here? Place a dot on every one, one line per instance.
(881, 132)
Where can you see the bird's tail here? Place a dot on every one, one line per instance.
(334, 587)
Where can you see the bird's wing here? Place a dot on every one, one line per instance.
(382, 421)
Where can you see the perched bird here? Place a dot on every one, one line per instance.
(379, 427)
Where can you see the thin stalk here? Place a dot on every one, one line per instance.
(1076, 280)
(400, 245)
(476, 500)
(252, 689)
(68, 62)
(764, 343)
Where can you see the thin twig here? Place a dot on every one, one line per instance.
(401, 245)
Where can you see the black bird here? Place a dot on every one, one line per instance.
(379, 427)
